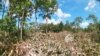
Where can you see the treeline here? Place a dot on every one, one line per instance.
(15, 24)
(93, 21)
(93, 28)
(17, 13)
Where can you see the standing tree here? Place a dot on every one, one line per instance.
(67, 26)
(61, 26)
(36, 4)
(2, 10)
(46, 8)
(21, 9)
(94, 22)
(77, 22)
(92, 18)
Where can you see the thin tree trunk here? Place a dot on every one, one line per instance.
(3, 16)
(18, 23)
(21, 27)
(46, 24)
(35, 21)
(21, 30)
(2, 13)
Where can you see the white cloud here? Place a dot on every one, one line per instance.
(90, 5)
(54, 21)
(61, 14)
(84, 24)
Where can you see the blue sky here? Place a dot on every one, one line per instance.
(70, 9)
(79, 8)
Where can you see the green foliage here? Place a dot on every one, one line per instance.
(92, 18)
(53, 28)
(94, 27)
(77, 21)
(9, 24)
(46, 7)
(22, 9)
(8, 30)
(67, 26)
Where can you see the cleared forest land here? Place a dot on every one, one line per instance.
(49, 28)
(56, 44)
